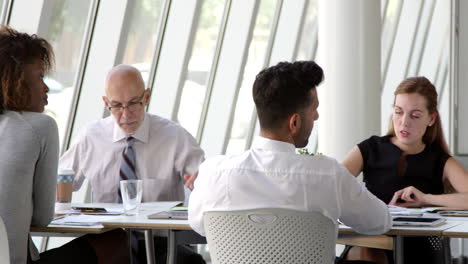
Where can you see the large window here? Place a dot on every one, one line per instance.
(307, 50)
(64, 27)
(2, 2)
(416, 42)
(389, 29)
(199, 67)
(4, 8)
(140, 32)
(256, 61)
(308, 41)
(65, 31)
(140, 35)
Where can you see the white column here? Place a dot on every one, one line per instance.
(349, 53)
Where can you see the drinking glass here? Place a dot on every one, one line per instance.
(131, 191)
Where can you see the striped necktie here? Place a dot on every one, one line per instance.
(127, 165)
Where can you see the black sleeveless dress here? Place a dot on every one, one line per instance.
(384, 174)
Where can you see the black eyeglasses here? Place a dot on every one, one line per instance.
(131, 106)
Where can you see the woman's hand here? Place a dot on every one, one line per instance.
(409, 197)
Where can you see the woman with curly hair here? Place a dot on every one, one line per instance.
(28, 138)
(29, 157)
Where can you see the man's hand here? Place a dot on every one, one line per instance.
(408, 197)
(190, 179)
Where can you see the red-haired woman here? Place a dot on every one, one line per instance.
(411, 165)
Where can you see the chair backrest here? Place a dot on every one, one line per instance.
(270, 235)
(4, 250)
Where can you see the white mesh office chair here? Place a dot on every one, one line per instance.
(269, 236)
(4, 250)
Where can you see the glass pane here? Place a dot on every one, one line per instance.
(307, 51)
(421, 38)
(67, 22)
(199, 67)
(390, 23)
(383, 6)
(308, 42)
(255, 62)
(140, 40)
(1, 9)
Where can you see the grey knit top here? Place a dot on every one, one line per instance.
(28, 171)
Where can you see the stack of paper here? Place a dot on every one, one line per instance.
(81, 220)
(403, 211)
(447, 211)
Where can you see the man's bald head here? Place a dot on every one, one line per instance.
(124, 73)
(126, 96)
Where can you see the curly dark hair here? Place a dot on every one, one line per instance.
(284, 89)
(16, 50)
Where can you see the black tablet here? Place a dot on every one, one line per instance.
(89, 209)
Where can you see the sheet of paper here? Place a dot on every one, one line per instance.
(401, 211)
(82, 220)
(454, 213)
(109, 211)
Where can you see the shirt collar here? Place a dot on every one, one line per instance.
(141, 134)
(273, 145)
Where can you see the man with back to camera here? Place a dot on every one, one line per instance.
(286, 101)
(162, 151)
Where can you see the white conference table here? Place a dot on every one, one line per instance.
(134, 222)
(141, 222)
(393, 239)
(455, 227)
(459, 231)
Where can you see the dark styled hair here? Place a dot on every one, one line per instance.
(423, 87)
(284, 89)
(16, 50)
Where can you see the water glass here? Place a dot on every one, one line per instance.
(131, 191)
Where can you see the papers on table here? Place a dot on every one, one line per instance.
(113, 212)
(453, 213)
(81, 220)
(443, 211)
(74, 217)
(448, 211)
(107, 211)
(403, 211)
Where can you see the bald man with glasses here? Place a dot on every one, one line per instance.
(133, 144)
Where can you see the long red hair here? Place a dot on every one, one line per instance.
(422, 86)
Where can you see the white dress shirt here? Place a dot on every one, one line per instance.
(271, 174)
(164, 153)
